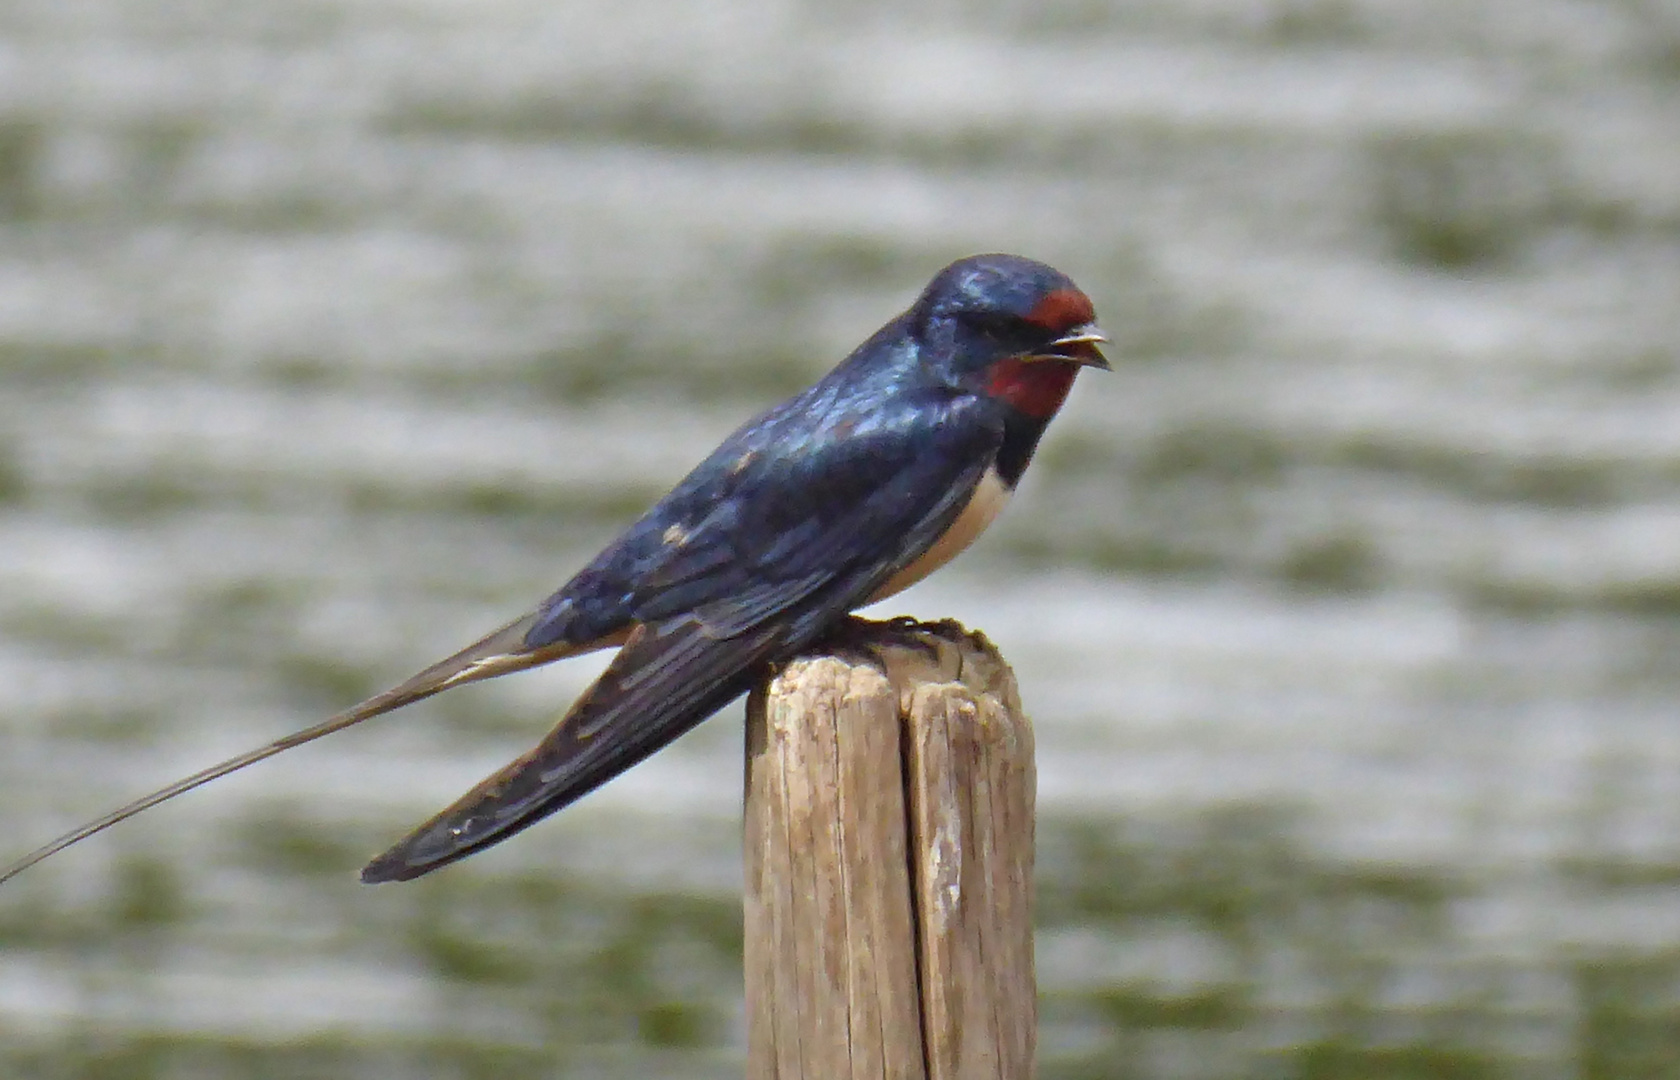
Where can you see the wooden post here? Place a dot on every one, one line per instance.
(889, 854)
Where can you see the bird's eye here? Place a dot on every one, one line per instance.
(996, 327)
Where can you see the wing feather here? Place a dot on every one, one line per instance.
(679, 667)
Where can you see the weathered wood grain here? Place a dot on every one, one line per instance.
(889, 848)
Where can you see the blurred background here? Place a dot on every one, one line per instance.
(335, 333)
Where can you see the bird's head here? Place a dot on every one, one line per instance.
(1009, 327)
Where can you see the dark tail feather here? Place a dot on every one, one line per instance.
(666, 680)
(495, 654)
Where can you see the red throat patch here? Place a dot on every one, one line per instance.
(1035, 387)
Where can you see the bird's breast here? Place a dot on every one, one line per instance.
(989, 497)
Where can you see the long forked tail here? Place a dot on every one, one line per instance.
(495, 654)
(666, 679)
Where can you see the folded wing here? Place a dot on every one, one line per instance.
(799, 539)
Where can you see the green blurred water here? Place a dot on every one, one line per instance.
(334, 334)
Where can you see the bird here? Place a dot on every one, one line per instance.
(846, 493)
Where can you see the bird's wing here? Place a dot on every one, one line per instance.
(815, 543)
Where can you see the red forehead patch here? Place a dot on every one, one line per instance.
(1062, 309)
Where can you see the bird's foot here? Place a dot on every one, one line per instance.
(860, 639)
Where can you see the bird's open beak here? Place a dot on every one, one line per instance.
(1080, 347)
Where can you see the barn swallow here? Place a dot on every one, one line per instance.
(845, 494)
